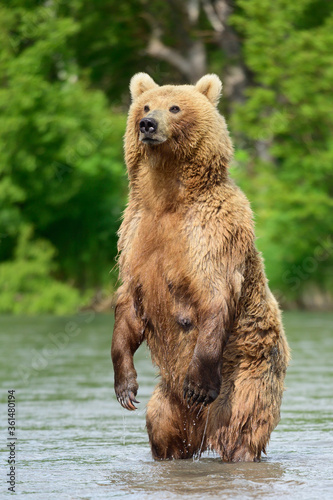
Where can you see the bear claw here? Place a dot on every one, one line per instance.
(199, 396)
(126, 399)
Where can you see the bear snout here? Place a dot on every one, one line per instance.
(148, 125)
(154, 128)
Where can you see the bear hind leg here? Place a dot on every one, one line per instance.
(246, 412)
(173, 433)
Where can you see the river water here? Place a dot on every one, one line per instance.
(74, 441)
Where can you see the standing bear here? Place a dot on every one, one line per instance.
(193, 284)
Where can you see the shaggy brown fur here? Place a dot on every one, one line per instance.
(193, 284)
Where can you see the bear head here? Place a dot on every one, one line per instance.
(178, 122)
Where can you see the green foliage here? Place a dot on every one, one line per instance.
(109, 44)
(26, 283)
(288, 47)
(62, 171)
(64, 66)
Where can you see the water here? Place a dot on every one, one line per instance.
(74, 441)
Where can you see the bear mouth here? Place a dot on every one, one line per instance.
(148, 140)
(151, 140)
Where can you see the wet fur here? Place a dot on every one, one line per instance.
(194, 287)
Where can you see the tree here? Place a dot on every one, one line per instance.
(65, 69)
(288, 48)
(61, 175)
(173, 40)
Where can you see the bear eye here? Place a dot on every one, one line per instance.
(174, 109)
(146, 109)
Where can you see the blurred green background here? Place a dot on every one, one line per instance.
(65, 69)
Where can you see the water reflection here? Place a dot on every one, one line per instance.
(204, 477)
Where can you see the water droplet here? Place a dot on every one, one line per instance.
(124, 431)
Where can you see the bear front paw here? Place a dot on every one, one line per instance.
(126, 393)
(199, 388)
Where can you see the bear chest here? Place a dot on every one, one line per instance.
(159, 250)
(159, 270)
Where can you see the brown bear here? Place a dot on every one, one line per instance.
(193, 283)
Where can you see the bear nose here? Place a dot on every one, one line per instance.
(148, 125)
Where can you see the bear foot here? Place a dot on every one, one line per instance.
(199, 385)
(126, 393)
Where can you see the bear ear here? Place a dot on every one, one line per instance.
(211, 87)
(140, 83)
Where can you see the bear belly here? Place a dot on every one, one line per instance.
(162, 298)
